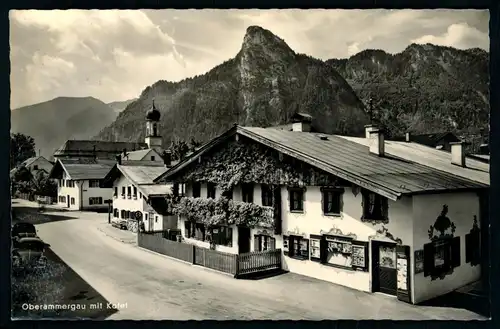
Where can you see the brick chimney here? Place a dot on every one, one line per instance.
(458, 153)
(376, 142)
(368, 129)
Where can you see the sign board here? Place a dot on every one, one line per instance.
(358, 256)
(138, 215)
(403, 273)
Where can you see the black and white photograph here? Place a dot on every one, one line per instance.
(250, 164)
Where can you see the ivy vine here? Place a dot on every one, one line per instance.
(223, 211)
(243, 162)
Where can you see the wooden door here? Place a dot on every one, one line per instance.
(384, 267)
(151, 222)
(243, 239)
(68, 200)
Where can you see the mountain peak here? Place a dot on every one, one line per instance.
(257, 36)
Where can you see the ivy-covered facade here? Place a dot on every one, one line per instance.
(328, 227)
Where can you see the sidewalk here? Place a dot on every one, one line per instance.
(117, 234)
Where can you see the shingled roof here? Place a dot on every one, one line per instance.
(80, 148)
(388, 175)
(81, 169)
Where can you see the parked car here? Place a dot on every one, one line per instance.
(28, 253)
(119, 223)
(23, 230)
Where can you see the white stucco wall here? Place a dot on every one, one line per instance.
(462, 207)
(91, 192)
(312, 221)
(71, 192)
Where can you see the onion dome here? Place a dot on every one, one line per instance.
(153, 114)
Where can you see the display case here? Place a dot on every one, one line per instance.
(403, 273)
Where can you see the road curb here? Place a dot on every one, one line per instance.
(116, 238)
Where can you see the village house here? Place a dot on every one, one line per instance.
(137, 198)
(35, 165)
(79, 183)
(342, 211)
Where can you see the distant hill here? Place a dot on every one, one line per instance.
(53, 122)
(423, 89)
(120, 106)
(263, 85)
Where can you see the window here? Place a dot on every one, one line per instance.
(337, 251)
(70, 183)
(332, 201)
(152, 158)
(123, 191)
(211, 190)
(115, 213)
(228, 194)
(267, 196)
(196, 190)
(298, 247)
(441, 256)
(156, 219)
(95, 200)
(263, 243)
(129, 191)
(296, 199)
(94, 183)
(140, 195)
(222, 236)
(247, 192)
(122, 214)
(35, 167)
(194, 231)
(116, 192)
(63, 198)
(374, 206)
(72, 200)
(135, 192)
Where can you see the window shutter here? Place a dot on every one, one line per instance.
(455, 252)
(323, 252)
(256, 244)
(468, 248)
(428, 259)
(272, 244)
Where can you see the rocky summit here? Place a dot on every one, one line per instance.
(263, 85)
(425, 88)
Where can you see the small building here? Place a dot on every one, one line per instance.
(143, 155)
(79, 183)
(35, 165)
(342, 211)
(72, 149)
(137, 198)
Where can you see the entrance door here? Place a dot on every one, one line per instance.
(243, 239)
(384, 270)
(68, 199)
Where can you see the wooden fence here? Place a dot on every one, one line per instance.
(36, 198)
(237, 265)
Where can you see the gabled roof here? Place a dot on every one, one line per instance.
(388, 175)
(138, 155)
(81, 169)
(29, 161)
(140, 176)
(86, 147)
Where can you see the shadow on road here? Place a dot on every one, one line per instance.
(475, 303)
(59, 292)
(34, 216)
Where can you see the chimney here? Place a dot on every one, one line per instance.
(167, 159)
(118, 159)
(407, 137)
(377, 142)
(368, 129)
(301, 122)
(124, 153)
(457, 153)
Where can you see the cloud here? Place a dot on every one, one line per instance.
(461, 36)
(114, 54)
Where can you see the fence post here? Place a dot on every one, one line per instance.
(237, 266)
(194, 254)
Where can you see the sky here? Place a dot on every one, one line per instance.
(113, 55)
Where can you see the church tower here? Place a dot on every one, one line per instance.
(153, 138)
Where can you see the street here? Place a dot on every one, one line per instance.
(148, 286)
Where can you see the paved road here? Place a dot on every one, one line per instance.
(151, 286)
